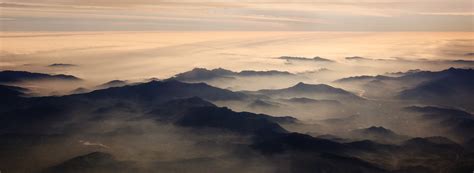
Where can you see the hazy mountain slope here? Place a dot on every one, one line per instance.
(453, 87)
(312, 91)
(159, 91)
(19, 76)
(454, 123)
(202, 74)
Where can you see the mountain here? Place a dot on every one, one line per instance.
(160, 91)
(61, 65)
(455, 123)
(176, 102)
(113, 83)
(357, 58)
(435, 144)
(95, 162)
(202, 74)
(304, 100)
(11, 95)
(363, 78)
(312, 91)
(198, 74)
(452, 87)
(303, 153)
(379, 134)
(314, 59)
(262, 104)
(79, 90)
(413, 76)
(297, 142)
(197, 113)
(223, 118)
(126, 118)
(48, 114)
(400, 73)
(11, 91)
(19, 76)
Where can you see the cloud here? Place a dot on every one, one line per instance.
(450, 14)
(237, 15)
(87, 143)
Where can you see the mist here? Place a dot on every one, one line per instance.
(236, 102)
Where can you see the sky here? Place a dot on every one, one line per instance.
(141, 39)
(236, 15)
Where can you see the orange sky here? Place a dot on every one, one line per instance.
(237, 15)
(110, 55)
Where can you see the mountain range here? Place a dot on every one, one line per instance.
(158, 111)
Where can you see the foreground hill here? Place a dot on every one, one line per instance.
(142, 127)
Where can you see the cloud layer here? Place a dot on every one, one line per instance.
(339, 15)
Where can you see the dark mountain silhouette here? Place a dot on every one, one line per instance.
(298, 142)
(304, 100)
(79, 90)
(436, 144)
(469, 144)
(11, 95)
(11, 91)
(19, 76)
(198, 74)
(42, 113)
(375, 130)
(379, 134)
(262, 104)
(61, 65)
(202, 74)
(369, 156)
(187, 106)
(197, 113)
(452, 87)
(398, 74)
(357, 58)
(319, 91)
(415, 76)
(315, 59)
(113, 83)
(223, 118)
(304, 153)
(160, 91)
(96, 162)
(186, 103)
(363, 78)
(457, 124)
(264, 73)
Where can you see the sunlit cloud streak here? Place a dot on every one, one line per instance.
(355, 15)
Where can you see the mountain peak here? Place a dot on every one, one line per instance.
(379, 129)
(300, 84)
(305, 86)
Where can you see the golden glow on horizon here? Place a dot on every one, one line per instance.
(163, 54)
